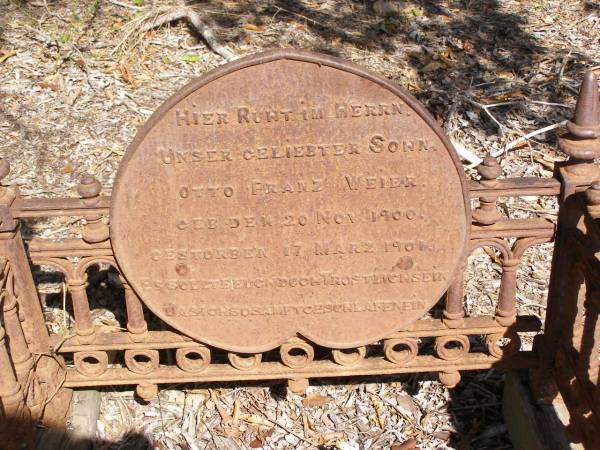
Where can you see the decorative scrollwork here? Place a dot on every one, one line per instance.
(499, 244)
(91, 363)
(63, 265)
(85, 263)
(141, 361)
(296, 353)
(400, 350)
(193, 359)
(349, 356)
(451, 348)
(243, 361)
(503, 344)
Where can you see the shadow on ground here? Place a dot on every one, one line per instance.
(24, 435)
(466, 52)
(476, 52)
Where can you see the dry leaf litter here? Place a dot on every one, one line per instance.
(78, 78)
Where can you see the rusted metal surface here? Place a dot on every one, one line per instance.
(519, 228)
(170, 339)
(147, 205)
(582, 143)
(56, 207)
(570, 348)
(25, 393)
(11, 392)
(25, 208)
(318, 369)
(572, 337)
(516, 187)
(314, 199)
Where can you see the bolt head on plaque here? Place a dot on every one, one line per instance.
(289, 193)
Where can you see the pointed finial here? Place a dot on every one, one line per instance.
(582, 143)
(586, 123)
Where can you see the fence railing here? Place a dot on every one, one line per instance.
(37, 368)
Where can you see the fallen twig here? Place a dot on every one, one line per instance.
(462, 151)
(4, 55)
(521, 102)
(42, 37)
(192, 17)
(284, 428)
(484, 108)
(524, 138)
(126, 5)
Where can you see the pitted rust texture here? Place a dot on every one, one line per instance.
(571, 341)
(403, 352)
(563, 357)
(314, 198)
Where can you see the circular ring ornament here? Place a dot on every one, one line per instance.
(141, 361)
(451, 348)
(296, 354)
(91, 363)
(498, 349)
(349, 357)
(193, 359)
(400, 350)
(244, 361)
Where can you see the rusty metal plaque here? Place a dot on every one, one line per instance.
(289, 193)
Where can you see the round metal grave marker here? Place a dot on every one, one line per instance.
(289, 193)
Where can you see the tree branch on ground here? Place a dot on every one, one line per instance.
(152, 20)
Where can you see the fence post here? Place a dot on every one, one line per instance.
(43, 392)
(569, 346)
(11, 392)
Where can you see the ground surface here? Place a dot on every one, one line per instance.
(78, 78)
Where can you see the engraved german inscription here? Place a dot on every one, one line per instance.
(289, 194)
(263, 187)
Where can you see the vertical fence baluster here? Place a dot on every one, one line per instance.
(506, 311)
(11, 395)
(136, 324)
(19, 351)
(94, 230)
(454, 311)
(487, 213)
(33, 331)
(81, 309)
(11, 247)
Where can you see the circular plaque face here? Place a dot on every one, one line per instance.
(289, 193)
